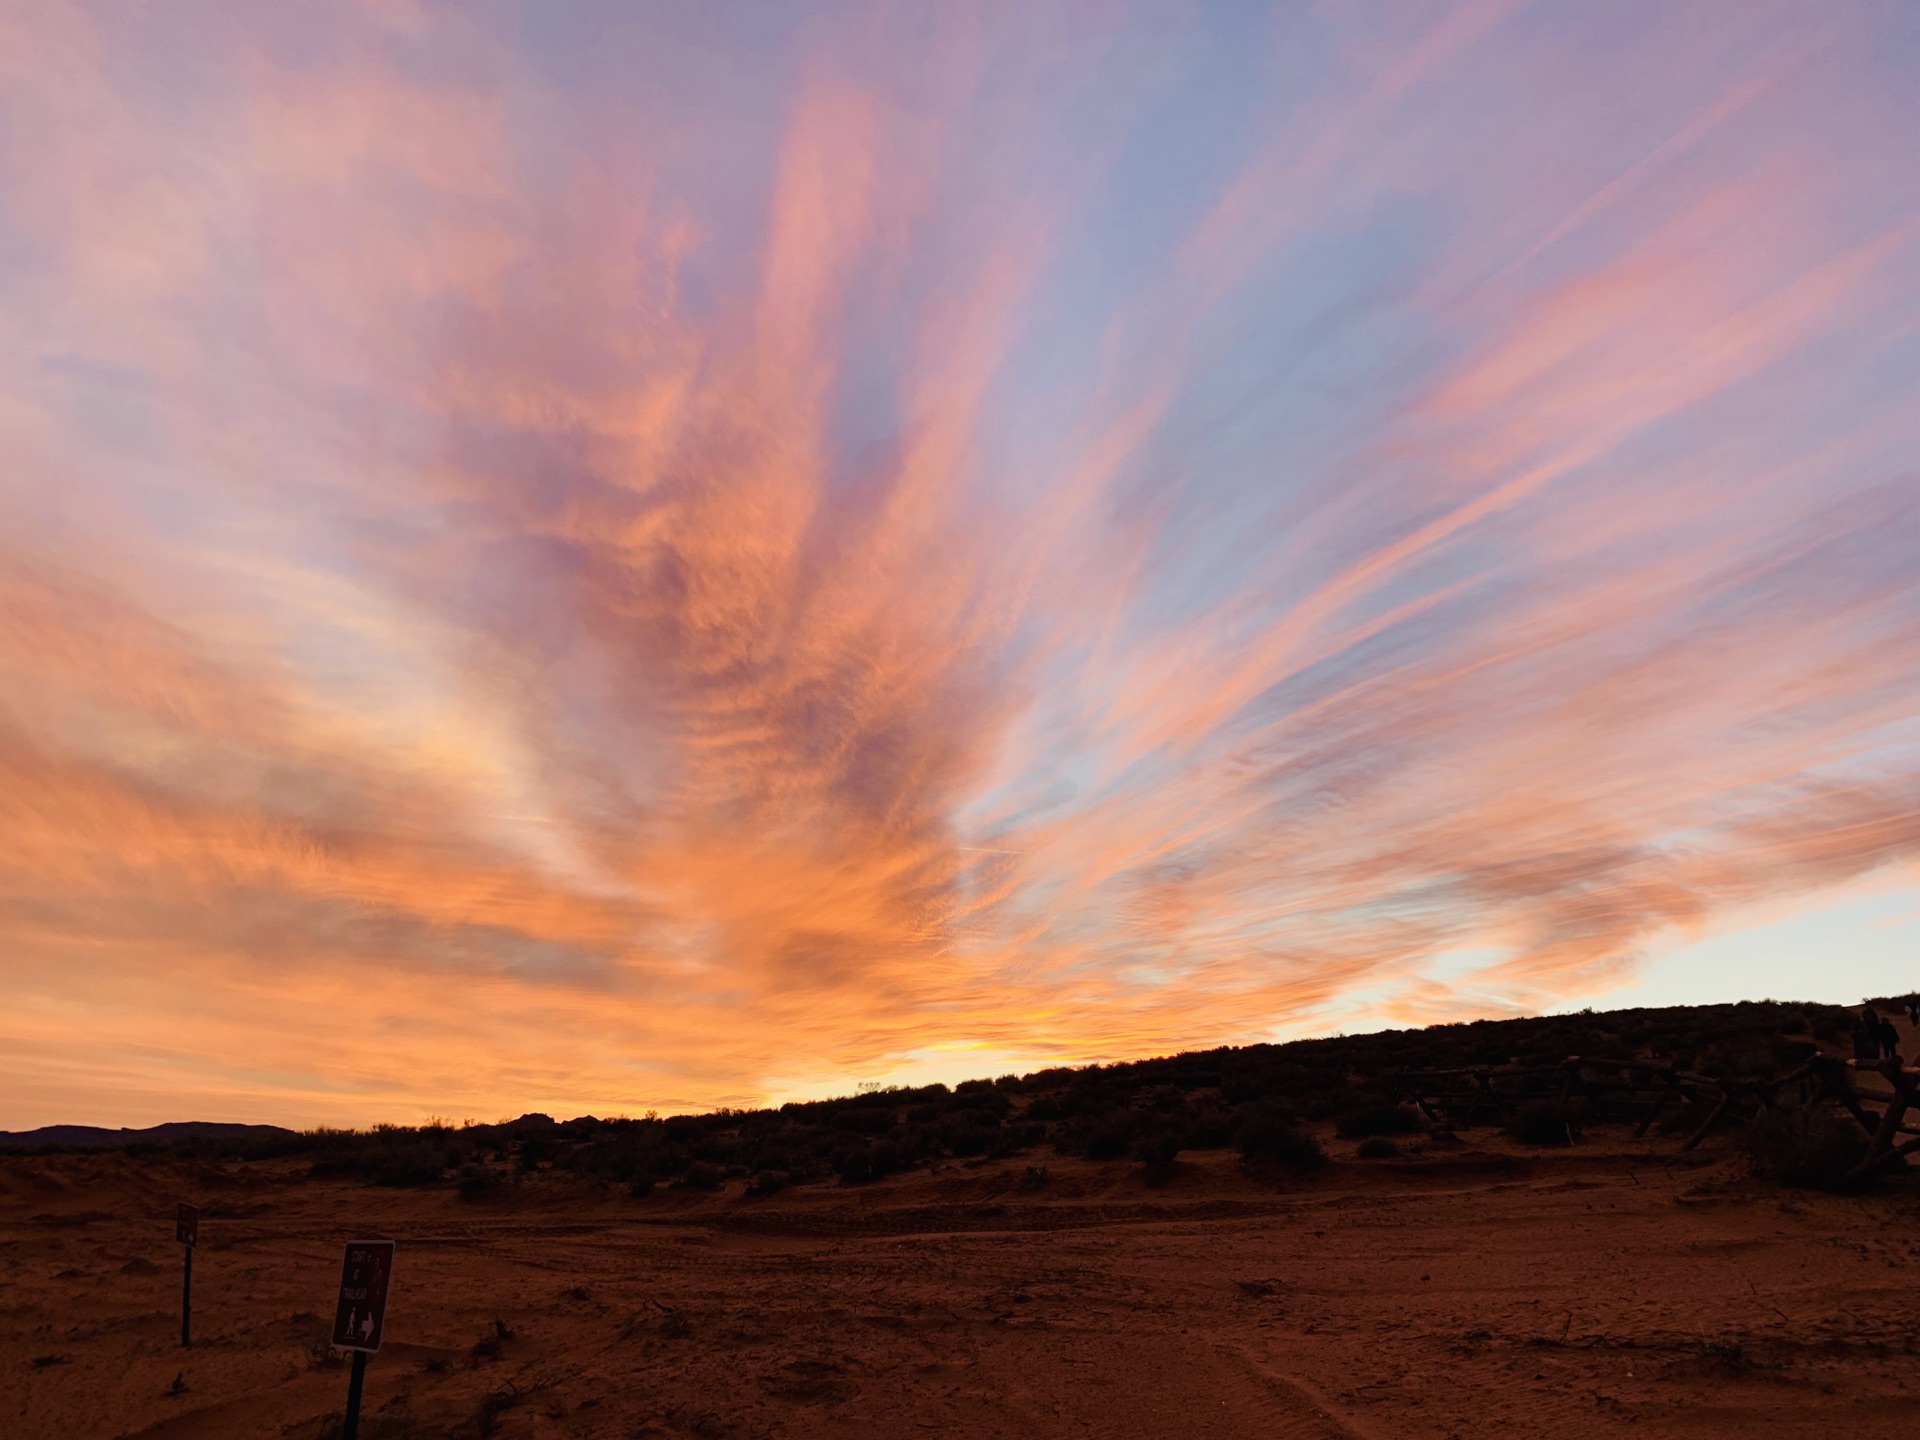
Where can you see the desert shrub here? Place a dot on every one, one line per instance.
(864, 1120)
(855, 1164)
(969, 1133)
(1157, 1144)
(387, 1162)
(476, 1181)
(621, 1157)
(535, 1150)
(1167, 1099)
(1545, 1122)
(1012, 1139)
(1109, 1136)
(1324, 1104)
(1381, 1118)
(1265, 1109)
(1804, 1145)
(1753, 1056)
(1157, 1147)
(1208, 1126)
(1257, 1074)
(1826, 1029)
(1090, 1093)
(967, 1140)
(993, 1105)
(1377, 1147)
(1270, 1138)
(704, 1175)
(684, 1129)
(914, 1143)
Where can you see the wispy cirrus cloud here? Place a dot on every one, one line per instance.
(604, 564)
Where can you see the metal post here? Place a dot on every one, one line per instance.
(186, 1297)
(351, 1429)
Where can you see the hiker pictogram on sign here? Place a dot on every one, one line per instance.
(362, 1312)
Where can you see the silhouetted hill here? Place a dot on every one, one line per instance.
(98, 1137)
(1253, 1097)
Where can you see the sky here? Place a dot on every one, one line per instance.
(613, 556)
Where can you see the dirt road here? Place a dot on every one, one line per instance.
(1473, 1292)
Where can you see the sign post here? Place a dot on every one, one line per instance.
(186, 1229)
(361, 1316)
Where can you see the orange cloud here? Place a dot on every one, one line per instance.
(528, 590)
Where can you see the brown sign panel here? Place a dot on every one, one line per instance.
(186, 1223)
(362, 1313)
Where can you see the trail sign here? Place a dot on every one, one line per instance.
(186, 1224)
(361, 1315)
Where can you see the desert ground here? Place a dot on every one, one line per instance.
(1469, 1290)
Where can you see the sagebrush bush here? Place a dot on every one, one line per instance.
(1753, 1056)
(534, 1151)
(966, 1139)
(1158, 1144)
(1208, 1126)
(1273, 1139)
(856, 1164)
(1804, 1145)
(1109, 1136)
(384, 1161)
(704, 1175)
(1376, 1119)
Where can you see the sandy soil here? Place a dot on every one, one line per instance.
(1616, 1288)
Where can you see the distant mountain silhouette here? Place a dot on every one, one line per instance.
(98, 1137)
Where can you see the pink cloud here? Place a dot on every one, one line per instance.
(528, 591)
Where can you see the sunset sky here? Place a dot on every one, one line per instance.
(610, 556)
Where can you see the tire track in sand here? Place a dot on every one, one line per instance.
(1290, 1408)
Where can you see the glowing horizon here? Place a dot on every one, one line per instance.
(658, 557)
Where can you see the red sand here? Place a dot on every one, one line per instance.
(1613, 1289)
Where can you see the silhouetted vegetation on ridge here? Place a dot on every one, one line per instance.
(1252, 1098)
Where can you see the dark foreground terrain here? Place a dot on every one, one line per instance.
(1465, 1285)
